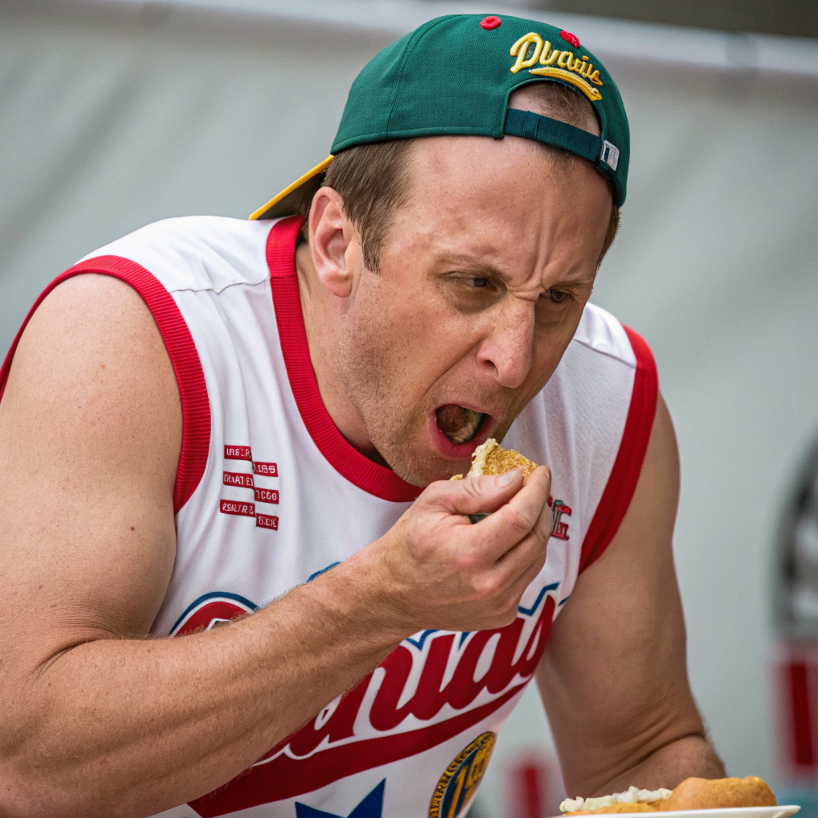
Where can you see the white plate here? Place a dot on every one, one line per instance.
(782, 811)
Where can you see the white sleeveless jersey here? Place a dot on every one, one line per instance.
(269, 494)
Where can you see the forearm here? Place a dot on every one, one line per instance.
(692, 755)
(130, 727)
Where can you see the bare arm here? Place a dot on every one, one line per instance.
(614, 675)
(98, 719)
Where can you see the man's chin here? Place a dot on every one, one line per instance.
(421, 473)
(420, 466)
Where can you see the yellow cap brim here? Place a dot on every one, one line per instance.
(289, 200)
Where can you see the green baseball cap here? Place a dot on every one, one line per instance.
(454, 75)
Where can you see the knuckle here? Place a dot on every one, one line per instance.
(472, 488)
(464, 561)
(487, 588)
(519, 521)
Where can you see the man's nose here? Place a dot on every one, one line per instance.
(508, 347)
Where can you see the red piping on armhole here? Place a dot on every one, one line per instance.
(183, 357)
(341, 455)
(628, 464)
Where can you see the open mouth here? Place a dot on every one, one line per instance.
(459, 424)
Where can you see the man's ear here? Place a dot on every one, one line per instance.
(330, 235)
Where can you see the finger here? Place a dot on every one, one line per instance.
(545, 520)
(525, 579)
(517, 518)
(515, 579)
(478, 495)
(522, 564)
(517, 560)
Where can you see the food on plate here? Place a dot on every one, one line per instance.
(692, 793)
(491, 458)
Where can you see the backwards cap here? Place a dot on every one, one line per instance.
(454, 75)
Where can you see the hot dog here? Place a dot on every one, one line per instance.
(692, 793)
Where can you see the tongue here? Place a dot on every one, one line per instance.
(451, 418)
(457, 423)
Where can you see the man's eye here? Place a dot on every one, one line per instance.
(479, 282)
(558, 296)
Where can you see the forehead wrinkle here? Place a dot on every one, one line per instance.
(471, 227)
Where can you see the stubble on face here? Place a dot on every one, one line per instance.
(404, 349)
(369, 355)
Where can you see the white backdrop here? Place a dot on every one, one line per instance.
(114, 115)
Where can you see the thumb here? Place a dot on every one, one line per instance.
(483, 494)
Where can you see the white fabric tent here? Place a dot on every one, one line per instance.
(120, 113)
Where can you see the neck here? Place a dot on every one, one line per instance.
(323, 313)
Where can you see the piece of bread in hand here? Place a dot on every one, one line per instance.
(491, 458)
(692, 793)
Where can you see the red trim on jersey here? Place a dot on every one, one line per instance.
(628, 464)
(183, 357)
(341, 455)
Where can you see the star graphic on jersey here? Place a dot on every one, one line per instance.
(370, 807)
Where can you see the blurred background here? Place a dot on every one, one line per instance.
(117, 113)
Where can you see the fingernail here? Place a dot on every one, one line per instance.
(505, 479)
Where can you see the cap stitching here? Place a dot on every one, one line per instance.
(409, 48)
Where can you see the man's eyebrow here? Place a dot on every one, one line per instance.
(473, 265)
(484, 269)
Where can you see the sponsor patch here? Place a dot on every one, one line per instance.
(237, 453)
(267, 521)
(559, 527)
(459, 783)
(232, 478)
(266, 495)
(236, 507)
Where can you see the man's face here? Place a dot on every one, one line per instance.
(484, 274)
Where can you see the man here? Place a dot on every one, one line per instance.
(220, 418)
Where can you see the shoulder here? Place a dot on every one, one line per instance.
(607, 370)
(189, 253)
(90, 439)
(592, 423)
(603, 334)
(611, 386)
(90, 372)
(606, 381)
(81, 327)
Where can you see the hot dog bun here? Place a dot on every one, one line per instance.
(703, 793)
(491, 458)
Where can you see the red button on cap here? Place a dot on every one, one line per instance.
(489, 23)
(570, 38)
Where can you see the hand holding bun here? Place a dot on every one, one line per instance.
(491, 458)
